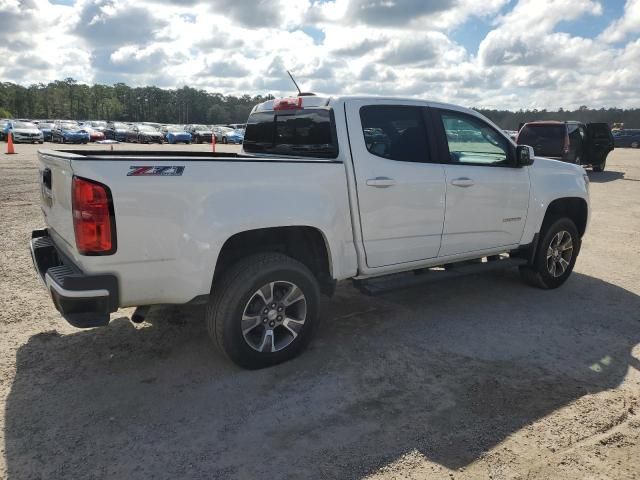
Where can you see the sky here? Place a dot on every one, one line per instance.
(491, 53)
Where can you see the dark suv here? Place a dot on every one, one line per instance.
(573, 142)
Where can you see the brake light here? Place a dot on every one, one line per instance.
(287, 103)
(93, 218)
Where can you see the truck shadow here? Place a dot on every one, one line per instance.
(449, 370)
(604, 177)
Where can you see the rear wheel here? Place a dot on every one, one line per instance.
(263, 310)
(556, 255)
(600, 168)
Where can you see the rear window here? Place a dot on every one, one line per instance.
(542, 134)
(306, 133)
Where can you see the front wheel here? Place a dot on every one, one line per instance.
(263, 310)
(555, 256)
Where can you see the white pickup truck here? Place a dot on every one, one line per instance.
(324, 190)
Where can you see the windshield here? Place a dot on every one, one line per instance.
(45, 125)
(175, 129)
(68, 126)
(120, 126)
(99, 124)
(24, 125)
(201, 128)
(146, 128)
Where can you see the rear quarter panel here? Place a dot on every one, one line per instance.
(170, 229)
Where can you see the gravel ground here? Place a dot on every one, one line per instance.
(482, 377)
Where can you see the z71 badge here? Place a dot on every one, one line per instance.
(157, 171)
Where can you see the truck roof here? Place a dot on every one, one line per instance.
(315, 101)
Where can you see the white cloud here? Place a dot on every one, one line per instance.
(389, 47)
(625, 26)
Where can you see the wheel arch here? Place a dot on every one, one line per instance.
(574, 208)
(304, 243)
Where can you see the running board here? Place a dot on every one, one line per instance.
(415, 278)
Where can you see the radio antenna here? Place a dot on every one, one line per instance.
(294, 82)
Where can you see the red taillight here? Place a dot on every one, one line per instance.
(93, 220)
(287, 103)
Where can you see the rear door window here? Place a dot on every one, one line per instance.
(395, 132)
(306, 133)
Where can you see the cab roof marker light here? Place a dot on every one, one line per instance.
(290, 103)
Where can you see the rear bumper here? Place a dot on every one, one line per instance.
(83, 300)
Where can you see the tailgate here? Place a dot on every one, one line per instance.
(55, 199)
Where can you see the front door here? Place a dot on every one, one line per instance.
(400, 192)
(487, 197)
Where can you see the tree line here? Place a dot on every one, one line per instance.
(69, 99)
(512, 120)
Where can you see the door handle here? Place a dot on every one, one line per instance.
(381, 182)
(463, 182)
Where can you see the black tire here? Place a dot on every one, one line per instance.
(538, 274)
(198, 140)
(224, 140)
(600, 168)
(235, 289)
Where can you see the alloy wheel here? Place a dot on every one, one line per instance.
(274, 316)
(559, 253)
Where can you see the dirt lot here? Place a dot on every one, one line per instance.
(476, 378)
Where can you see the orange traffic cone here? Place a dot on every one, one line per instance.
(10, 149)
(213, 143)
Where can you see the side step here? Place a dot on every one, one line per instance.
(415, 278)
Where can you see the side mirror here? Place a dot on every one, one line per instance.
(524, 155)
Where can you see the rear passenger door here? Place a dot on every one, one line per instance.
(487, 196)
(400, 186)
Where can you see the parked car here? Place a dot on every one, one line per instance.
(95, 135)
(573, 142)
(97, 125)
(69, 132)
(228, 135)
(200, 133)
(221, 229)
(46, 129)
(25, 132)
(5, 126)
(117, 131)
(142, 133)
(627, 138)
(176, 134)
